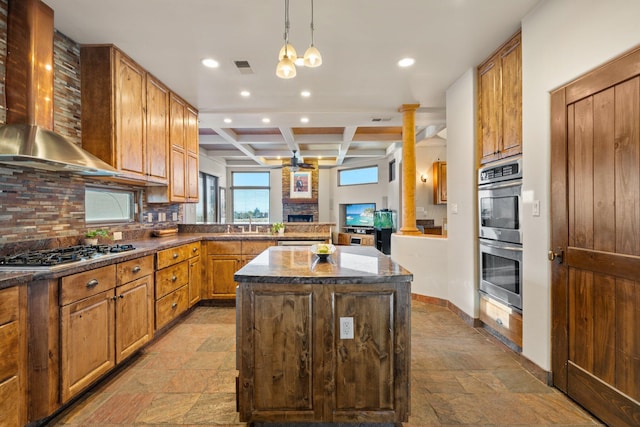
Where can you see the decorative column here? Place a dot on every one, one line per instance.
(409, 169)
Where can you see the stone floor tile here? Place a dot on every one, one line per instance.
(120, 409)
(168, 408)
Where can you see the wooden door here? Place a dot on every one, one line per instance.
(511, 102)
(86, 336)
(130, 116)
(178, 162)
(595, 210)
(195, 280)
(191, 136)
(490, 106)
(134, 316)
(220, 271)
(157, 131)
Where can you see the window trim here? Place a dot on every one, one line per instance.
(360, 183)
(233, 188)
(135, 205)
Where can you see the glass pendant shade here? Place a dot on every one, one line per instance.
(289, 51)
(286, 69)
(312, 57)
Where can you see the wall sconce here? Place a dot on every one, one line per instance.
(423, 177)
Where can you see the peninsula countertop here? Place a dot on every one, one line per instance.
(347, 265)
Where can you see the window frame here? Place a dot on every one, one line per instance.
(340, 171)
(134, 205)
(233, 187)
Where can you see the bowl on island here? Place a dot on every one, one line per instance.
(323, 250)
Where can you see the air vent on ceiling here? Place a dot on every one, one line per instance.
(381, 119)
(244, 67)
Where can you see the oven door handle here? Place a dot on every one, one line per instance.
(501, 246)
(497, 185)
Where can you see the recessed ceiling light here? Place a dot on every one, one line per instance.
(210, 63)
(406, 62)
(266, 120)
(304, 120)
(245, 93)
(227, 120)
(305, 93)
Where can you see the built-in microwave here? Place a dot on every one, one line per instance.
(500, 201)
(501, 271)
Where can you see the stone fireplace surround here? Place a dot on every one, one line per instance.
(295, 206)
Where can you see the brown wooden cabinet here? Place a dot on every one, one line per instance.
(439, 183)
(13, 356)
(501, 319)
(356, 239)
(295, 364)
(134, 306)
(87, 328)
(120, 116)
(195, 273)
(172, 284)
(224, 258)
(192, 150)
(500, 103)
(106, 315)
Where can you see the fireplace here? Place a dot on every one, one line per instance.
(300, 218)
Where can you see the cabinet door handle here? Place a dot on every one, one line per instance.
(174, 305)
(136, 269)
(91, 283)
(121, 296)
(175, 256)
(115, 297)
(174, 278)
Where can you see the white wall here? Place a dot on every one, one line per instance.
(461, 194)
(561, 40)
(426, 258)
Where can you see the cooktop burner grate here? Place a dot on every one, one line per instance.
(59, 256)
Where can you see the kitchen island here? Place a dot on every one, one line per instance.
(323, 341)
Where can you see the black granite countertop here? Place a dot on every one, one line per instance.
(347, 265)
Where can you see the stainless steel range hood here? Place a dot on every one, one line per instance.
(27, 139)
(39, 148)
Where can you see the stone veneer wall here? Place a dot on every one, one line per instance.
(300, 206)
(41, 209)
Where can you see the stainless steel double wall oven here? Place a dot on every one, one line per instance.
(500, 234)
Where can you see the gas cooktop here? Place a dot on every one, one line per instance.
(51, 257)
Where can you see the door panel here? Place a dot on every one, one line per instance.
(596, 223)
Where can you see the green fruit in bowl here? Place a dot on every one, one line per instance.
(323, 249)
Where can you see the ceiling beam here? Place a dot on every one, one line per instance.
(347, 137)
(289, 138)
(231, 137)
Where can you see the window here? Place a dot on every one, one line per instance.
(392, 170)
(250, 195)
(108, 205)
(366, 175)
(207, 209)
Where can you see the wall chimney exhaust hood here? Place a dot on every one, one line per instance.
(39, 148)
(27, 139)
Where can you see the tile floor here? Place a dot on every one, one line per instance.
(459, 376)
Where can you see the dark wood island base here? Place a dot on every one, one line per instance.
(323, 341)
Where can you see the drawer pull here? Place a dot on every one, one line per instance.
(174, 278)
(174, 305)
(499, 321)
(136, 269)
(175, 256)
(115, 297)
(195, 249)
(91, 283)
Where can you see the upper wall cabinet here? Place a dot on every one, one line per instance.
(136, 124)
(500, 103)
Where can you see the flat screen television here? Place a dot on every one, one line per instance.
(359, 214)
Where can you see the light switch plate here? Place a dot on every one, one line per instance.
(536, 208)
(346, 328)
(454, 208)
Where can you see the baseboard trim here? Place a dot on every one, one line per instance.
(535, 370)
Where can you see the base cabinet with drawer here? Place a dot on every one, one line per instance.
(13, 356)
(172, 284)
(195, 273)
(501, 319)
(224, 258)
(105, 316)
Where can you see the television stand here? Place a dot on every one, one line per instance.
(356, 239)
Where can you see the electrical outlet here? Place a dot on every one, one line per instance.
(346, 328)
(117, 235)
(175, 216)
(150, 217)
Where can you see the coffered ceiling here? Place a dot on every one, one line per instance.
(352, 110)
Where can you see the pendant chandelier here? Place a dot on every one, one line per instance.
(287, 56)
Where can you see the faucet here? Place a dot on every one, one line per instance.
(228, 229)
